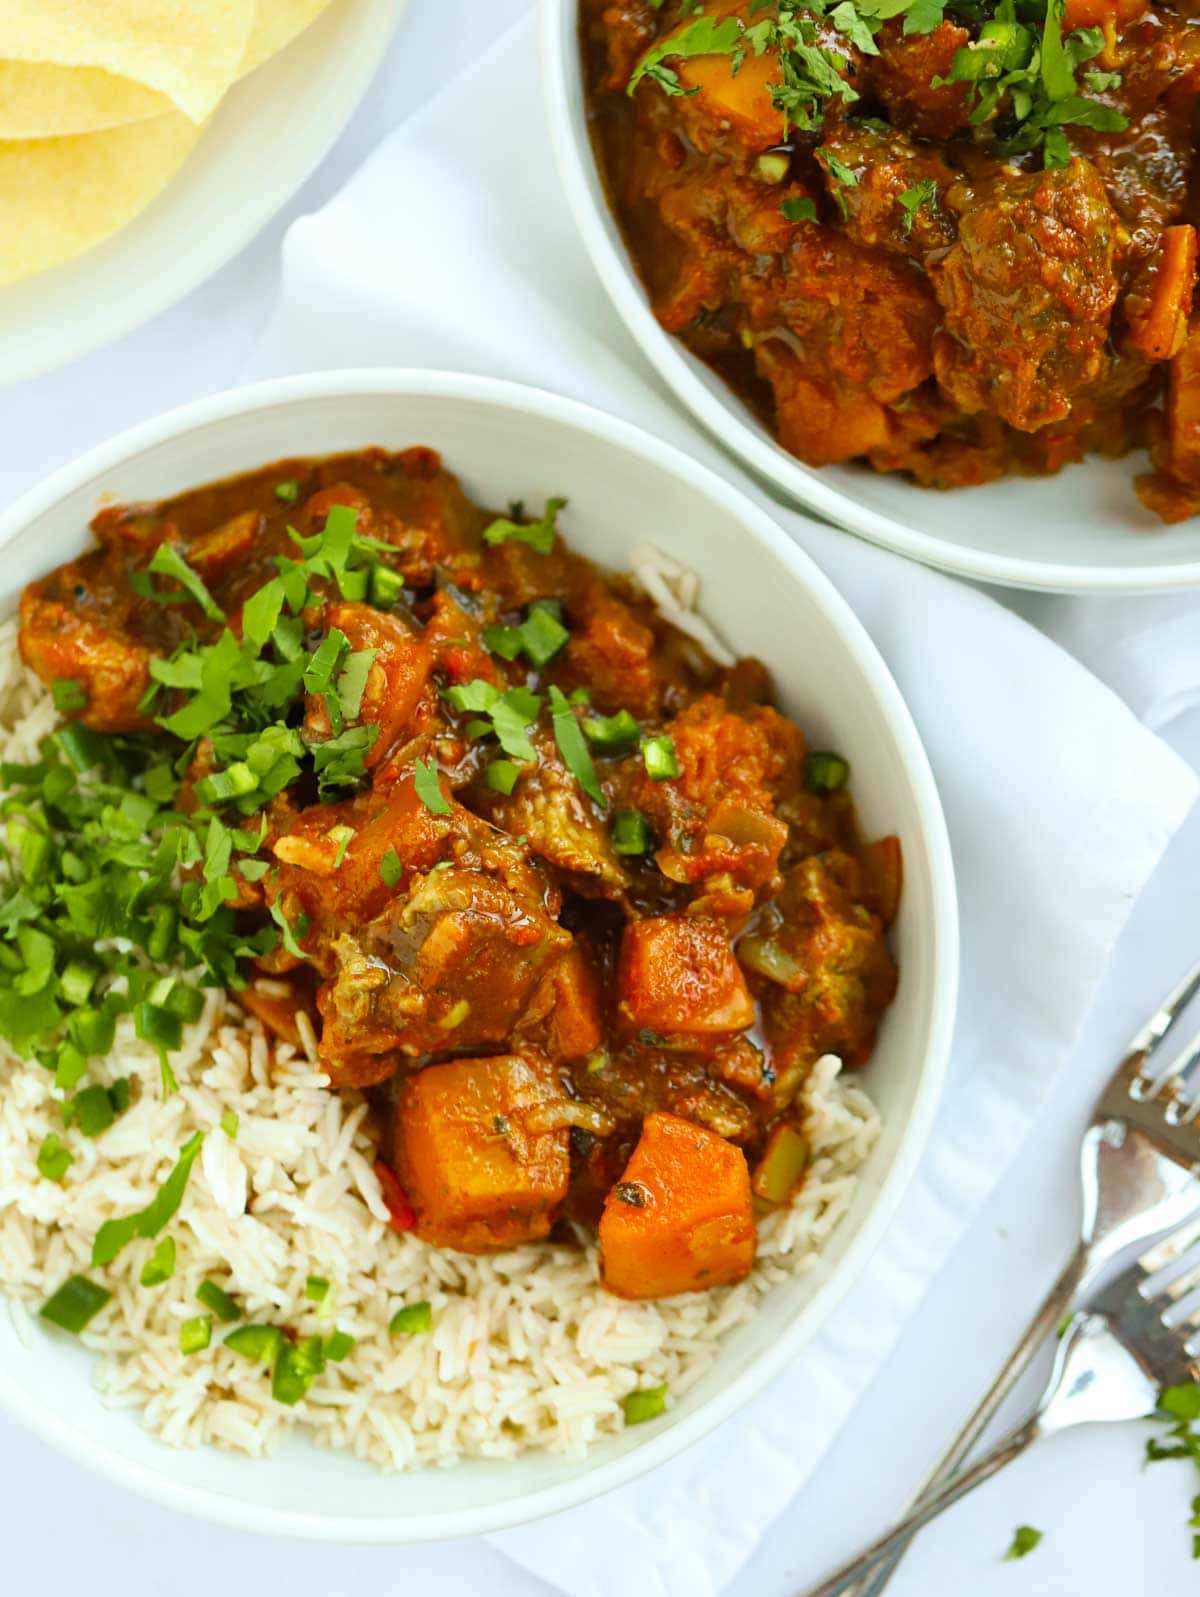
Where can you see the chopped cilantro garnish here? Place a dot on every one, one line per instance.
(572, 745)
(429, 789)
(702, 36)
(911, 201)
(839, 172)
(391, 868)
(168, 562)
(114, 1235)
(509, 713)
(230, 1124)
(538, 535)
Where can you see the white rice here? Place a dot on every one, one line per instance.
(526, 1350)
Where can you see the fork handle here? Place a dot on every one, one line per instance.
(930, 1506)
(1057, 1301)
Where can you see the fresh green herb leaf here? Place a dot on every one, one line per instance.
(429, 789)
(288, 491)
(391, 868)
(114, 1235)
(502, 776)
(911, 201)
(538, 535)
(837, 170)
(572, 745)
(229, 1124)
(168, 562)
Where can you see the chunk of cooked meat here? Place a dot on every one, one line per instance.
(1043, 241)
(478, 1160)
(67, 632)
(561, 825)
(451, 964)
(827, 972)
(717, 816)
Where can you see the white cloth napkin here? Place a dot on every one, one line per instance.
(453, 248)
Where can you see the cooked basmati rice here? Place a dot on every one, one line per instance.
(526, 1350)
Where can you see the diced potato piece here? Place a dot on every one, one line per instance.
(677, 973)
(743, 101)
(681, 1218)
(478, 1172)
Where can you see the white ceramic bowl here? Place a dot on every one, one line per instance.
(266, 137)
(1082, 531)
(764, 596)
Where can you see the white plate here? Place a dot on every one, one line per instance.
(267, 136)
(1082, 531)
(762, 593)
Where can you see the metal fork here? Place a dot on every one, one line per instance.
(1112, 1362)
(1138, 1164)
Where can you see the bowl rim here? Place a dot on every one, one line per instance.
(723, 416)
(539, 404)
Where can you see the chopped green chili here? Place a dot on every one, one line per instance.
(644, 1405)
(215, 1298)
(825, 772)
(76, 1302)
(195, 1335)
(660, 758)
(412, 1320)
(160, 1266)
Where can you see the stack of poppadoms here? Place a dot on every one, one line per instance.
(101, 101)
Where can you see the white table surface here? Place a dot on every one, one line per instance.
(1110, 1526)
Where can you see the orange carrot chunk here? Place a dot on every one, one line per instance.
(1159, 333)
(677, 973)
(681, 1218)
(478, 1172)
